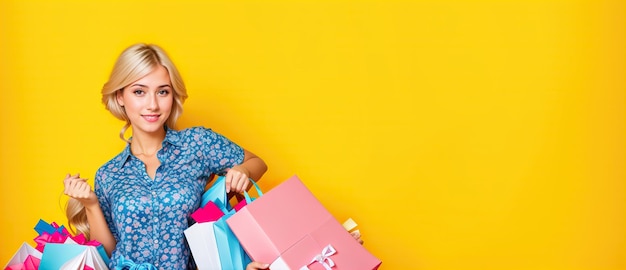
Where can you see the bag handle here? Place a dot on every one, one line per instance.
(217, 194)
(258, 191)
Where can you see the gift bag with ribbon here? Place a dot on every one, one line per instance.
(57, 249)
(62, 250)
(26, 258)
(71, 256)
(212, 243)
(289, 228)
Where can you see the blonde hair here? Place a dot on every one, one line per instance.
(77, 217)
(134, 63)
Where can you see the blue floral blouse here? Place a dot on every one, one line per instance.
(147, 216)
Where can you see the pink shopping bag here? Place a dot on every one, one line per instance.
(291, 229)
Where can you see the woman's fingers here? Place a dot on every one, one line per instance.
(257, 265)
(85, 188)
(76, 187)
(236, 180)
(243, 183)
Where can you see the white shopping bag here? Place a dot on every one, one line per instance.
(22, 253)
(201, 239)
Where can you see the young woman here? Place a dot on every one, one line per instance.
(144, 196)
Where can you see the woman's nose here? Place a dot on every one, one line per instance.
(153, 103)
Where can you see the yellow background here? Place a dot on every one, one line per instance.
(458, 134)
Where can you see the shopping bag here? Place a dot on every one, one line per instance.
(201, 237)
(201, 240)
(71, 256)
(231, 253)
(49, 233)
(53, 233)
(62, 250)
(55, 244)
(211, 241)
(291, 229)
(26, 258)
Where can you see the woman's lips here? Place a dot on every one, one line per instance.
(151, 117)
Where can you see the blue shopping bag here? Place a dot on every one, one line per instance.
(231, 253)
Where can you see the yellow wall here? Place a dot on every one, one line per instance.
(458, 134)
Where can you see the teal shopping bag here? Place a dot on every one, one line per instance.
(231, 253)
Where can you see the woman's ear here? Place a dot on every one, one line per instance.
(119, 96)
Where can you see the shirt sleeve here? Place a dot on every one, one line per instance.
(105, 204)
(220, 152)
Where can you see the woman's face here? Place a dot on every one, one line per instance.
(148, 101)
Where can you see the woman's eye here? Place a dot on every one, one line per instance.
(164, 92)
(138, 92)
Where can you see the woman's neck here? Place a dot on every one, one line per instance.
(147, 144)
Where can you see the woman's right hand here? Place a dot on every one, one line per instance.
(79, 189)
(257, 266)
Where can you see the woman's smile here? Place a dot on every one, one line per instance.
(151, 117)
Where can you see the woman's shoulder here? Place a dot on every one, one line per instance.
(192, 132)
(116, 162)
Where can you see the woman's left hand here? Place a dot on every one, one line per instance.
(257, 265)
(237, 179)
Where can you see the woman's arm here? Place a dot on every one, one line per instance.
(79, 189)
(98, 228)
(251, 167)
